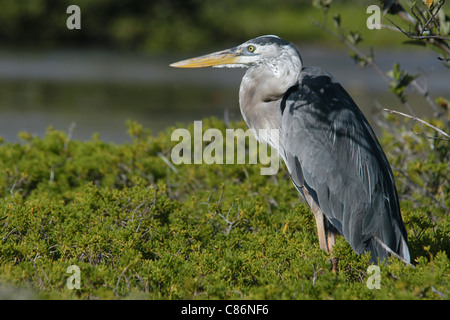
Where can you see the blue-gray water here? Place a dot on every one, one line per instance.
(99, 91)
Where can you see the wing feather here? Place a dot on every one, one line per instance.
(331, 149)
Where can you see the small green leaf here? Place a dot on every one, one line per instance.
(337, 20)
(354, 37)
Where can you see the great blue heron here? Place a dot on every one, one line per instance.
(332, 154)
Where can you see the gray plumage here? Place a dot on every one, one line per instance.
(335, 154)
(332, 154)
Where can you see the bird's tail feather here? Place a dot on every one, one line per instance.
(404, 251)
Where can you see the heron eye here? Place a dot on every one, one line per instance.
(251, 48)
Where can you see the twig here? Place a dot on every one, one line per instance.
(386, 26)
(418, 120)
(433, 16)
(437, 292)
(230, 224)
(413, 36)
(429, 137)
(355, 50)
(69, 135)
(166, 161)
(424, 93)
(438, 37)
(422, 37)
(118, 281)
(9, 233)
(422, 17)
(390, 251)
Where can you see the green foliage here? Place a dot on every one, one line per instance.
(400, 80)
(419, 159)
(162, 26)
(139, 228)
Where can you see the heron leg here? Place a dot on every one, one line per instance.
(325, 231)
(331, 241)
(320, 220)
(321, 230)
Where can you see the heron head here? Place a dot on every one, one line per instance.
(267, 49)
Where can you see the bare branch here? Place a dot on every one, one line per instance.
(166, 161)
(418, 120)
(429, 37)
(433, 16)
(422, 37)
(429, 137)
(390, 251)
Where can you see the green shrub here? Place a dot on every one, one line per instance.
(139, 228)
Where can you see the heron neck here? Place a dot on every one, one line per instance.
(262, 88)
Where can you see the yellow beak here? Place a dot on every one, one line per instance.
(209, 60)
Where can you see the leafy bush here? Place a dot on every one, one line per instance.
(139, 228)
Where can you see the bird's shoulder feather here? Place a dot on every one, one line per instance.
(331, 149)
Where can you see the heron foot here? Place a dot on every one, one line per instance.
(334, 265)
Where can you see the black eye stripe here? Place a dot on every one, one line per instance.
(264, 40)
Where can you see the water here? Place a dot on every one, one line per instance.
(99, 91)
